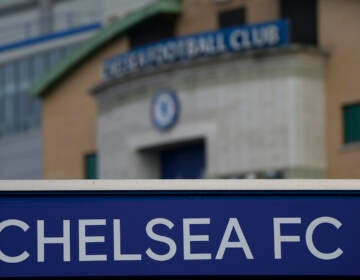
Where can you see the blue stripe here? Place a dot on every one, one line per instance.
(50, 37)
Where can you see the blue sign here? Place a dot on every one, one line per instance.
(233, 39)
(165, 109)
(127, 234)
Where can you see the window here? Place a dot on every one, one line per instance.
(39, 66)
(303, 20)
(91, 166)
(24, 75)
(2, 102)
(2, 80)
(152, 29)
(9, 76)
(351, 116)
(232, 17)
(55, 57)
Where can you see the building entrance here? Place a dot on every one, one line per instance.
(183, 162)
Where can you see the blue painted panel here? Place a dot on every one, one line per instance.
(232, 39)
(183, 163)
(194, 226)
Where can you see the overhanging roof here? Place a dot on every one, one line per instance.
(101, 39)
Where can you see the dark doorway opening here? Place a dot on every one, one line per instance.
(183, 161)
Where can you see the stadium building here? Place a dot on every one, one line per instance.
(209, 89)
(35, 35)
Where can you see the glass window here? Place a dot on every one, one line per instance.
(19, 111)
(2, 103)
(2, 78)
(351, 115)
(8, 112)
(9, 76)
(233, 17)
(152, 30)
(91, 166)
(55, 57)
(303, 17)
(24, 74)
(68, 50)
(39, 66)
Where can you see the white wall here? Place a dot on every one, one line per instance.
(255, 114)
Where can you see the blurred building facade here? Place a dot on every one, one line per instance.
(282, 112)
(35, 36)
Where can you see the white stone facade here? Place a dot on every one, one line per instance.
(255, 113)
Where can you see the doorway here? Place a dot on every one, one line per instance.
(183, 161)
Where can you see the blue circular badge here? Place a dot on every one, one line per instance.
(165, 109)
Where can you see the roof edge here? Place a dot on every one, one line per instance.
(88, 48)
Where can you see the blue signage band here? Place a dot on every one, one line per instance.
(232, 39)
(178, 234)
